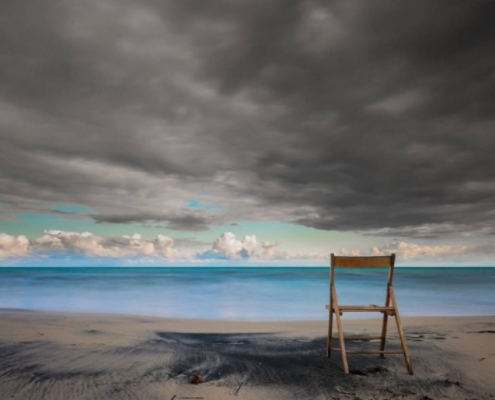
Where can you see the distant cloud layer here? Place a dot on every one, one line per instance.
(371, 117)
(227, 247)
(411, 251)
(91, 245)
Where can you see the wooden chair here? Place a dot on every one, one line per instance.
(387, 310)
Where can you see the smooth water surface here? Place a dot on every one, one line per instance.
(276, 293)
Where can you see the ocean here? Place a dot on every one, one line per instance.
(244, 293)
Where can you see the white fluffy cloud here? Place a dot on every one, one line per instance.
(164, 245)
(227, 244)
(11, 246)
(228, 247)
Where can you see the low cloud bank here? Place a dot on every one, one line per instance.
(416, 252)
(227, 247)
(88, 244)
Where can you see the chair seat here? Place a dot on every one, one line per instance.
(362, 308)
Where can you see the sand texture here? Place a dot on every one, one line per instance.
(97, 356)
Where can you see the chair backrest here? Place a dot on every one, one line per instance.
(363, 262)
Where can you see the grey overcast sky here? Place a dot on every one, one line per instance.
(369, 124)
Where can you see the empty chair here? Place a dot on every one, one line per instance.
(388, 309)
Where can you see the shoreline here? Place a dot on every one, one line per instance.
(366, 317)
(58, 355)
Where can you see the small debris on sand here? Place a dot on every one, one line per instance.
(196, 379)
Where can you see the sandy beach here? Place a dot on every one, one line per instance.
(99, 356)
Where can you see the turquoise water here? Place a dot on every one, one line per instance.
(244, 293)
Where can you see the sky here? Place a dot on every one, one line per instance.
(250, 132)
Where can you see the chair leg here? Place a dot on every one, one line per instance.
(342, 343)
(384, 325)
(401, 333)
(330, 328)
(341, 333)
(384, 334)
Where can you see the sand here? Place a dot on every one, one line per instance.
(47, 355)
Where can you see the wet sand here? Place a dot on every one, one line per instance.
(46, 355)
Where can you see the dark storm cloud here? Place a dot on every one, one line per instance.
(183, 220)
(389, 117)
(338, 115)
